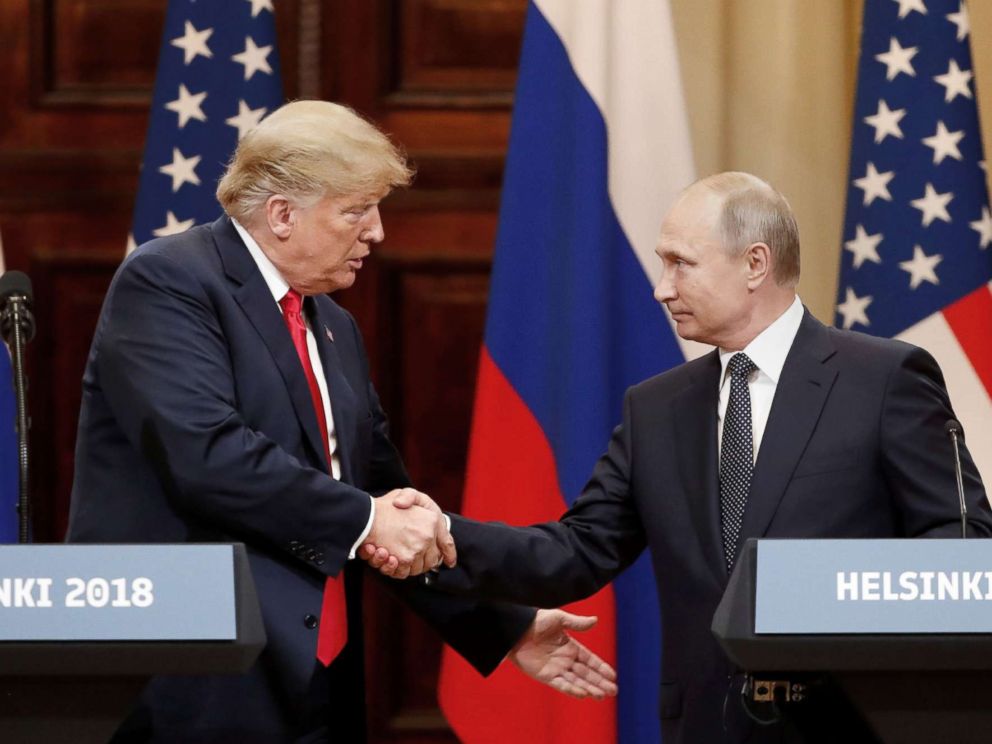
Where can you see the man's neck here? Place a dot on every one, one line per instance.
(765, 313)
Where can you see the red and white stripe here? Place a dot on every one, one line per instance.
(959, 338)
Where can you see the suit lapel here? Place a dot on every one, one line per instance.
(253, 295)
(800, 395)
(344, 404)
(695, 412)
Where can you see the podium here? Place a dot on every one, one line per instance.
(77, 650)
(903, 627)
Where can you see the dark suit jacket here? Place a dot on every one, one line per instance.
(197, 425)
(854, 447)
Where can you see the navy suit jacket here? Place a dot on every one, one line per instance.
(197, 425)
(854, 447)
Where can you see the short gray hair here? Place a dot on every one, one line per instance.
(752, 211)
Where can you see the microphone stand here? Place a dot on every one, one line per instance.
(953, 429)
(20, 394)
(16, 320)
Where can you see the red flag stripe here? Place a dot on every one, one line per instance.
(971, 320)
(512, 477)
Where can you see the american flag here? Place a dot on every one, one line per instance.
(218, 75)
(917, 261)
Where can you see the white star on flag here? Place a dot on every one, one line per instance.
(182, 169)
(886, 121)
(257, 6)
(933, 205)
(188, 106)
(984, 228)
(908, 6)
(247, 118)
(944, 143)
(875, 184)
(921, 267)
(193, 42)
(864, 247)
(955, 82)
(253, 58)
(173, 226)
(853, 309)
(897, 59)
(961, 20)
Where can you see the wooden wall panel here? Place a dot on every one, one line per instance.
(98, 46)
(450, 46)
(437, 74)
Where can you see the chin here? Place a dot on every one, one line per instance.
(686, 331)
(339, 281)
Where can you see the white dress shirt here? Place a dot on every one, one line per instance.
(768, 351)
(279, 287)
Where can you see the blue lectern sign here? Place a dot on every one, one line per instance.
(874, 586)
(117, 592)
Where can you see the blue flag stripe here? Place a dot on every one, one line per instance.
(571, 320)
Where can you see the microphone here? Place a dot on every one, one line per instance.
(16, 297)
(953, 429)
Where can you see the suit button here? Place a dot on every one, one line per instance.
(319, 560)
(311, 554)
(310, 621)
(294, 544)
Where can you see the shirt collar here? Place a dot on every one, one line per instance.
(273, 279)
(769, 348)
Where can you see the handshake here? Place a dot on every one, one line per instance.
(409, 535)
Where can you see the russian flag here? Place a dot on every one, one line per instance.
(8, 445)
(599, 149)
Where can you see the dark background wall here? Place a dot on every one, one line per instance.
(438, 75)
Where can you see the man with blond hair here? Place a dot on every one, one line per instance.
(227, 398)
(787, 429)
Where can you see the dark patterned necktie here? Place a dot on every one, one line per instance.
(736, 455)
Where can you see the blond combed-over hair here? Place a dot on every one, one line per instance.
(306, 150)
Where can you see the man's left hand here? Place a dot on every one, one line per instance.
(550, 655)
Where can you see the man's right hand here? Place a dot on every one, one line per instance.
(411, 530)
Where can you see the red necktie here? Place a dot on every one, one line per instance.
(333, 633)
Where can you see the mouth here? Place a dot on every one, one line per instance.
(356, 263)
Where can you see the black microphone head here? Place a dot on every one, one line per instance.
(952, 427)
(15, 282)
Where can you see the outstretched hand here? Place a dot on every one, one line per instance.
(550, 655)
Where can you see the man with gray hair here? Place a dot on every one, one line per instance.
(787, 429)
(227, 398)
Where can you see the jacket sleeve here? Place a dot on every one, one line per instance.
(551, 564)
(164, 367)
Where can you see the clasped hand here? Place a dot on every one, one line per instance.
(409, 535)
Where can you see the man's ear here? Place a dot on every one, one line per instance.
(759, 264)
(280, 215)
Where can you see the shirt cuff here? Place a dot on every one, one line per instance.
(367, 530)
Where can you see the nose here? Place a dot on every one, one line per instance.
(664, 290)
(373, 232)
